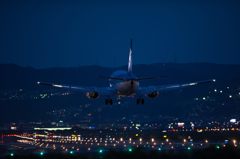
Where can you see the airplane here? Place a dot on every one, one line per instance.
(125, 84)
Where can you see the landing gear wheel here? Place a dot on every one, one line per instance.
(142, 101)
(138, 101)
(106, 102)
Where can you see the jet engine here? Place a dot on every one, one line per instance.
(152, 95)
(92, 95)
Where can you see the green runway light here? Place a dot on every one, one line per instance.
(189, 148)
(41, 153)
(12, 154)
(100, 151)
(130, 150)
(71, 152)
(159, 149)
(217, 147)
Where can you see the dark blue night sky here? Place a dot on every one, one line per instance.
(46, 34)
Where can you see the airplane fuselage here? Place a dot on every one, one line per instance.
(124, 88)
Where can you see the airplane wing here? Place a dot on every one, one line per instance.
(101, 90)
(151, 89)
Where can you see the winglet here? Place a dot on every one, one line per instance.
(130, 60)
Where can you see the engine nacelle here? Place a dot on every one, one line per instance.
(92, 95)
(153, 95)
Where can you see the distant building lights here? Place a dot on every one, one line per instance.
(230, 96)
(220, 91)
(204, 98)
(227, 87)
(215, 90)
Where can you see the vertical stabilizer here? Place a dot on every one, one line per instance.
(130, 60)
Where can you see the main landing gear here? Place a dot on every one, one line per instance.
(140, 100)
(108, 101)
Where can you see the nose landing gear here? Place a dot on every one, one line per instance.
(108, 101)
(140, 100)
(119, 98)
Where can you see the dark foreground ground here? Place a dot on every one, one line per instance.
(212, 152)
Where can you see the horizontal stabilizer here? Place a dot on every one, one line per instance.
(122, 79)
(141, 79)
(127, 79)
